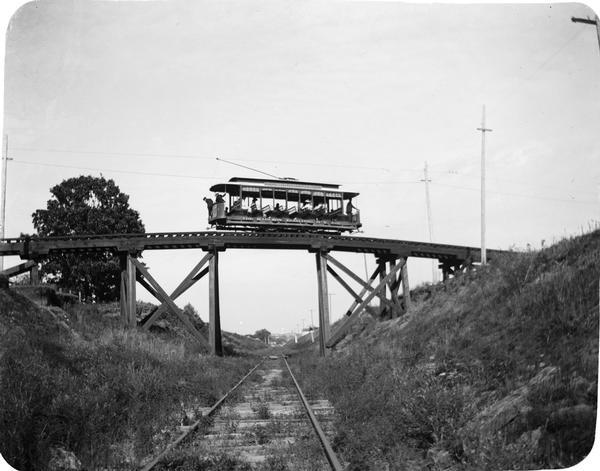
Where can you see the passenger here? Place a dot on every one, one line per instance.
(307, 206)
(209, 205)
(277, 211)
(350, 207)
(254, 206)
(219, 199)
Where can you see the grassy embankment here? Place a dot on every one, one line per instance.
(79, 382)
(496, 369)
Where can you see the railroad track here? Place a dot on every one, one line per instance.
(264, 421)
(32, 247)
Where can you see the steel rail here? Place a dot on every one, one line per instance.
(194, 426)
(329, 453)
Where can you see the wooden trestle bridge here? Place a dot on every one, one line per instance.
(391, 272)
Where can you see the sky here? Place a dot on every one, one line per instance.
(357, 93)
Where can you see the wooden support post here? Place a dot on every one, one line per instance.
(214, 335)
(324, 326)
(34, 276)
(382, 274)
(446, 268)
(391, 283)
(123, 293)
(343, 328)
(444, 271)
(405, 286)
(393, 286)
(192, 277)
(127, 301)
(131, 304)
(394, 283)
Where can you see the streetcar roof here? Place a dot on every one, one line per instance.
(281, 186)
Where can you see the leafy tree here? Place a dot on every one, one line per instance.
(190, 311)
(79, 206)
(262, 334)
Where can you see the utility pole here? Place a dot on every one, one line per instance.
(5, 160)
(589, 21)
(483, 130)
(426, 179)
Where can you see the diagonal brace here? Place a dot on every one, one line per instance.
(187, 283)
(363, 291)
(18, 269)
(164, 297)
(151, 318)
(366, 286)
(342, 329)
(341, 281)
(142, 281)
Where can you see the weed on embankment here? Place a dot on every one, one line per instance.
(108, 395)
(495, 369)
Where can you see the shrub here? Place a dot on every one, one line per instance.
(417, 393)
(104, 395)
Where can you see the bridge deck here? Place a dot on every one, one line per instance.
(35, 247)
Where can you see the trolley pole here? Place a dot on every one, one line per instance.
(589, 21)
(5, 160)
(426, 179)
(483, 130)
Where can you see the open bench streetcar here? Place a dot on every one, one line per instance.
(282, 205)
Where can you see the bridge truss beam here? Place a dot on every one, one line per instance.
(131, 271)
(193, 276)
(391, 256)
(384, 283)
(28, 266)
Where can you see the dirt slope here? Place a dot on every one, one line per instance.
(494, 369)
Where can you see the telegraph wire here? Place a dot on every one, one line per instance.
(473, 176)
(190, 157)
(198, 177)
(116, 154)
(518, 194)
(130, 172)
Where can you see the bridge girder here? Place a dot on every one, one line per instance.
(391, 256)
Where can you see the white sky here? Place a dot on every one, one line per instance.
(354, 93)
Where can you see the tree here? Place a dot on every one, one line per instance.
(190, 311)
(263, 334)
(86, 205)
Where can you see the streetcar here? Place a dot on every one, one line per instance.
(282, 205)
